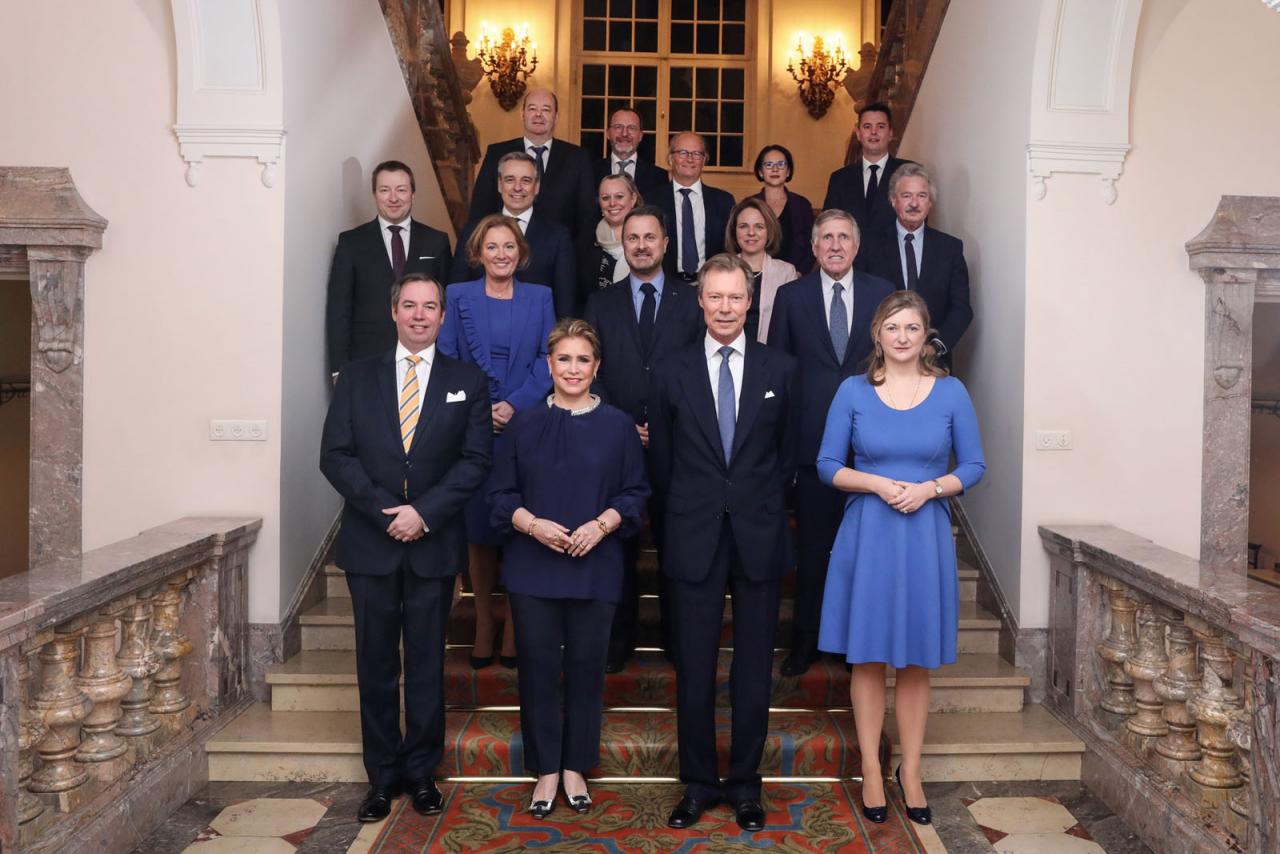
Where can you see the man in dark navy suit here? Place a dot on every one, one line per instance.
(696, 213)
(407, 440)
(568, 194)
(824, 321)
(920, 258)
(369, 258)
(722, 445)
(626, 132)
(640, 320)
(862, 188)
(551, 258)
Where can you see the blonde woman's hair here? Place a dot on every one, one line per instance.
(889, 306)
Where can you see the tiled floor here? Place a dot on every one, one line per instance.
(319, 818)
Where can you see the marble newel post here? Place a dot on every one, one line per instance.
(1237, 254)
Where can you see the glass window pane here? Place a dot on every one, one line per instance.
(682, 10)
(730, 151)
(594, 142)
(733, 83)
(593, 79)
(616, 104)
(593, 8)
(681, 113)
(593, 35)
(735, 40)
(646, 81)
(593, 113)
(681, 83)
(708, 38)
(731, 118)
(648, 111)
(647, 147)
(712, 159)
(620, 35)
(708, 10)
(682, 38)
(620, 80)
(708, 80)
(647, 9)
(620, 8)
(647, 37)
(735, 10)
(704, 116)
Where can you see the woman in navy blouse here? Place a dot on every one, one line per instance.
(774, 168)
(568, 486)
(499, 324)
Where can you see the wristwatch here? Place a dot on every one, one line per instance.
(937, 487)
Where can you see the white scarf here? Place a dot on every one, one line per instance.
(612, 245)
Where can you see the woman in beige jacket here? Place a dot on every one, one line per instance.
(754, 234)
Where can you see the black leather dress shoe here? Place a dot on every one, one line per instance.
(750, 815)
(798, 662)
(688, 811)
(920, 815)
(377, 803)
(427, 799)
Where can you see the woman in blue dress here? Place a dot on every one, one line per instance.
(499, 324)
(892, 594)
(568, 485)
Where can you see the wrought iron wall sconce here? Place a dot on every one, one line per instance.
(818, 72)
(507, 59)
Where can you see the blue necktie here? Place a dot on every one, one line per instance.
(839, 323)
(538, 151)
(688, 238)
(725, 408)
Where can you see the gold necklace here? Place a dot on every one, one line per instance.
(894, 403)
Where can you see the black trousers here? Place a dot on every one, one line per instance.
(554, 637)
(819, 509)
(387, 608)
(626, 617)
(697, 609)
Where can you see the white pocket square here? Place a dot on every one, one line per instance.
(455, 397)
(769, 394)
(426, 257)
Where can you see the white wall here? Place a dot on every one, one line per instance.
(346, 109)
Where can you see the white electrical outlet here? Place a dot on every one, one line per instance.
(1053, 440)
(224, 430)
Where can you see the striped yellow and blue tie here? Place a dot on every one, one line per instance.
(410, 402)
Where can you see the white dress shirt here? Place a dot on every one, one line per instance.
(846, 295)
(699, 222)
(866, 172)
(423, 368)
(521, 218)
(630, 168)
(714, 360)
(529, 145)
(385, 226)
(917, 249)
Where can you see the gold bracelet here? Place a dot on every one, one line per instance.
(532, 523)
(603, 526)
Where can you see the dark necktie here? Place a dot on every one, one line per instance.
(872, 184)
(839, 323)
(538, 151)
(725, 409)
(622, 166)
(913, 271)
(648, 310)
(688, 237)
(397, 251)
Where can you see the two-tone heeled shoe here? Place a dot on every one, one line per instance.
(920, 815)
(578, 803)
(541, 809)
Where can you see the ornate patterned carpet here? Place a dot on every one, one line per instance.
(491, 818)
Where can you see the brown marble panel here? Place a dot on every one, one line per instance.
(10, 703)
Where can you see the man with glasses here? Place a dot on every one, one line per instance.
(696, 213)
(626, 132)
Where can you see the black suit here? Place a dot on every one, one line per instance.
(799, 327)
(566, 193)
(623, 381)
(551, 262)
(845, 191)
(725, 529)
(647, 175)
(943, 283)
(397, 585)
(717, 205)
(358, 315)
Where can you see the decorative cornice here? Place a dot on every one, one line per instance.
(1106, 160)
(196, 142)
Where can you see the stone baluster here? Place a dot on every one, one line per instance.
(139, 660)
(1240, 734)
(102, 680)
(1214, 704)
(1116, 649)
(63, 706)
(1149, 662)
(171, 645)
(31, 729)
(1175, 687)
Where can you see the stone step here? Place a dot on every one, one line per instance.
(325, 681)
(262, 744)
(330, 625)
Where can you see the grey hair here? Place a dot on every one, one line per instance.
(726, 263)
(912, 170)
(835, 213)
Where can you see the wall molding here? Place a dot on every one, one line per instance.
(1106, 160)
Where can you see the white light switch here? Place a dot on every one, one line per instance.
(237, 431)
(1053, 440)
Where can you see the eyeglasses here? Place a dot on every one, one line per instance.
(625, 128)
(774, 164)
(692, 155)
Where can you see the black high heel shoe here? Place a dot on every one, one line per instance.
(879, 815)
(920, 815)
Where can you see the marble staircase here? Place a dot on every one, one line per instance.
(310, 729)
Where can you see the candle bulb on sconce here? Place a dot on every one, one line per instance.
(507, 59)
(818, 72)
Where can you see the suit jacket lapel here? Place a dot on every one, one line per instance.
(522, 315)
(751, 395)
(819, 312)
(390, 394)
(379, 249)
(893, 260)
(673, 297)
(929, 257)
(862, 311)
(554, 158)
(626, 308)
(697, 384)
(431, 399)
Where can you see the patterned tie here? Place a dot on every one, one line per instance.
(688, 237)
(410, 402)
(913, 271)
(538, 151)
(623, 167)
(397, 251)
(872, 185)
(725, 409)
(839, 322)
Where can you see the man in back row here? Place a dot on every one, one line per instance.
(862, 188)
(695, 212)
(625, 133)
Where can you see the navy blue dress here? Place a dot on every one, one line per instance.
(569, 469)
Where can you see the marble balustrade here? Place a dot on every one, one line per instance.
(1166, 667)
(115, 667)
